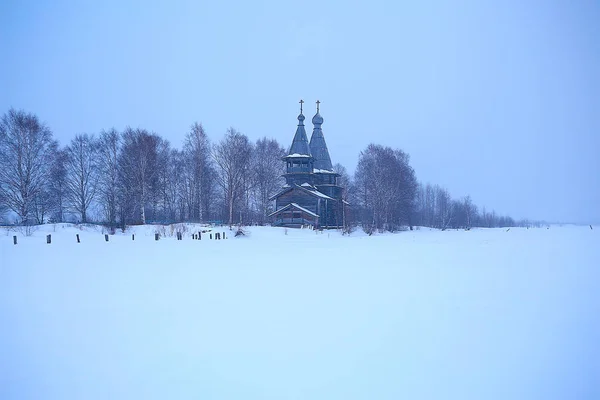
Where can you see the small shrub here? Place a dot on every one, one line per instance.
(348, 229)
(369, 229)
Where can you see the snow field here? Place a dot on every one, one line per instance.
(295, 314)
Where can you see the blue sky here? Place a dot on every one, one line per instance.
(499, 100)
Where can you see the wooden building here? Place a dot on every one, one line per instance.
(311, 194)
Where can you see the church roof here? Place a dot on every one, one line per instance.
(308, 190)
(300, 147)
(318, 147)
(294, 205)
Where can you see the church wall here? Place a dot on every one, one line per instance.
(299, 179)
(331, 215)
(330, 190)
(296, 196)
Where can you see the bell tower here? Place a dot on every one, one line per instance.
(299, 161)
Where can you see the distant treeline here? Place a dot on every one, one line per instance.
(136, 177)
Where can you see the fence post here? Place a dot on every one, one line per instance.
(211, 236)
(14, 240)
(132, 236)
(199, 235)
(77, 235)
(106, 238)
(156, 235)
(223, 235)
(48, 239)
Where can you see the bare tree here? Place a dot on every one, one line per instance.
(46, 200)
(172, 185)
(470, 212)
(3, 207)
(345, 182)
(209, 191)
(108, 169)
(196, 149)
(42, 205)
(159, 185)
(386, 187)
(406, 190)
(267, 171)
(25, 155)
(138, 161)
(232, 158)
(444, 208)
(82, 173)
(57, 184)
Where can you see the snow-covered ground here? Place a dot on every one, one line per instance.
(484, 314)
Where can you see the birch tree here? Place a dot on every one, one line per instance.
(108, 170)
(25, 156)
(386, 187)
(267, 171)
(232, 159)
(196, 149)
(138, 172)
(82, 173)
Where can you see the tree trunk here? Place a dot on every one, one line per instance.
(230, 210)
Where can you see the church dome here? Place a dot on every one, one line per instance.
(317, 119)
(301, 117)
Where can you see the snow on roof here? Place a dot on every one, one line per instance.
(295, 205)
(299, 155)
(314, 191)
(323, 195)
(304, 209)
(323, 171)
(286, 186)
(305, 187)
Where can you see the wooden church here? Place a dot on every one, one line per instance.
(311, 195)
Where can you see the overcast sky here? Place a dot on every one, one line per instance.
(499, 99)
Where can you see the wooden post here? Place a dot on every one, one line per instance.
(132, 236)
(211, 236)
(156, 236)
(77, 235)
(199, 235)
(14, 240)
(106, 238)
(48, 239)
(223, 235)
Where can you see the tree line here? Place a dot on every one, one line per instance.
(137, 177)
(388, 196)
